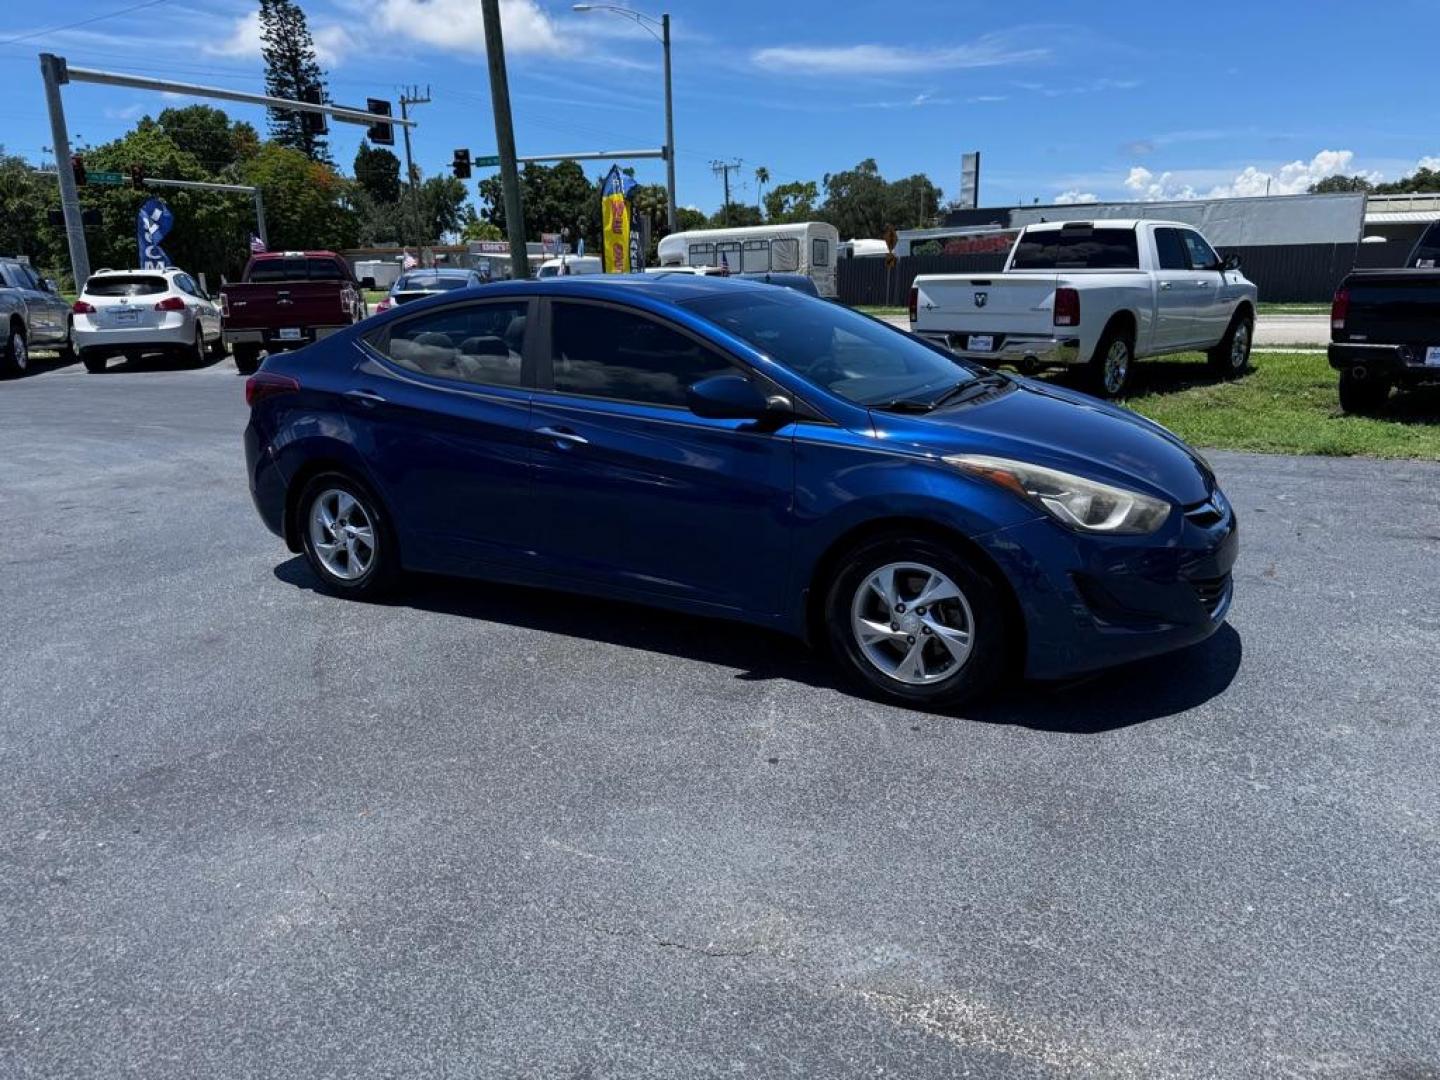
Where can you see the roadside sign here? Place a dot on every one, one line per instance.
(113, 178)
(492, 160)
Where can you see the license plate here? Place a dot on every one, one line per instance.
(981, 342)
(1432, 356)
(290, 334)
(124, 316)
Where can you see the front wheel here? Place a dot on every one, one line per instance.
(346, 537)
(1364, 395)
(912, 622)
(1231, 357)
(247, 359)
(1110, 366)
(67, 347)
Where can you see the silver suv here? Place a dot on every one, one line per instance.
(32, 313)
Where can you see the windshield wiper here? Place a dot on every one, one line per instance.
(963, 391)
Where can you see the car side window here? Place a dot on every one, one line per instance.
(1171, 250)
(475, 343)
(1202, 256)
(605, 352)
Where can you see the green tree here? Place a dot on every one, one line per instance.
(555, 198)
(377, 172)
(855, 200)
(791, 202)
(291, 71)
(308, 205)
(762, 177)
(24, 198)
(1332, 184)
(1422, 180)
(911, 203)
(207, 135)
(735, 216)
(474, 227)
(688, 219)
(376, 222)
(440, 202)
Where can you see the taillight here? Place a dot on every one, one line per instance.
(1339, 308)
(383, 305)
(1067, 307)
(171, 303)
(80, 307)
(267, 384)
(914, 302)
(225, 304)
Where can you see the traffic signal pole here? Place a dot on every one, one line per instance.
(52, 70)
(505, 140)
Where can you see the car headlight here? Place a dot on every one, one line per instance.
(1087, 505)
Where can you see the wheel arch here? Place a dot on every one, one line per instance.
(318, 465)
(909, 527)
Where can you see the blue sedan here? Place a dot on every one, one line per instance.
(738, 450)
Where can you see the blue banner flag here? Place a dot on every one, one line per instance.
(153, 225)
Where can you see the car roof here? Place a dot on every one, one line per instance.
(108, 271)
(671, 288)
(1106, 223)
(438, 271)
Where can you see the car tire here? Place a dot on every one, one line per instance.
(1231, 357)
(935, 654)
(1364, 396)
(346, 536)
(68, 351)
(217, 347)
(94, 361)
(1112, 363)
(247, 359)
(15, 356)
(195, 355)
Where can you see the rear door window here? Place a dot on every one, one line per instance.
(474, 343)
(126, 285)
(1077, 249)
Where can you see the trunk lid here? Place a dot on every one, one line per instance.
(986, 303)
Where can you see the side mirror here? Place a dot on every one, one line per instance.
(50, 285)
(1230, 262)
(367, 283)
(731, 397)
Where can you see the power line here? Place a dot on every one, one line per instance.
(723, 169)
(84, 22)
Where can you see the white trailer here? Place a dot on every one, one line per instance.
(809, 248)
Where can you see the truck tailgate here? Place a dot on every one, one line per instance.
(274, 305)
(986, 303)
(1392, 307)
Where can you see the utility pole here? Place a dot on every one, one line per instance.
(669, 130)
(723, 169)
(410, 96)
(505, 139)
(52, 70)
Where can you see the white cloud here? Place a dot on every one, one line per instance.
(926, 97)
(1432, 163)
(984, 99)
(1294, 178)
(457, 25)
(332, 41)
(988, 51)
(1067, 198)
(244, 39)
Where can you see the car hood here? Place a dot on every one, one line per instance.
(1047, 425)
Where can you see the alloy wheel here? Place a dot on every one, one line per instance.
(1117, 366)
(19, 354)
(342, 534)
(1240, 346)
(912, 623)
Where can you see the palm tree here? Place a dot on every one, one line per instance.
(762, 177)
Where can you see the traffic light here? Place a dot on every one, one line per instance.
(461, 164)
(77, 168)
(381, 133)
(315, 123)
(137, 176)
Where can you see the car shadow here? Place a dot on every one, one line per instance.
(1116, 698)
(159, 361)
(1169, 375)
(44, 359)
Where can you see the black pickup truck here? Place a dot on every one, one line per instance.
(1385, 328)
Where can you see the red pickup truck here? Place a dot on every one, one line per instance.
(288, 299)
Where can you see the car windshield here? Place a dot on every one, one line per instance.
(125, 285)
(1077, 248)
(430, 283)
(847, 353)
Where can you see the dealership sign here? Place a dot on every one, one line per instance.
(152, 226)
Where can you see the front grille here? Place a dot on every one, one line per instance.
(1211, 592)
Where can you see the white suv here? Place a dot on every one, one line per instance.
(138, 311)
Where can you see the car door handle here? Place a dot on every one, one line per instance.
(365, 397)
(1167, 285)
(563, 435)
(1203, 284)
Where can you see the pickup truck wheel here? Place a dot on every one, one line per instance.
(1364, 395)
(1110, 366)
(1231, 357)
(247, 359)
(15, 358)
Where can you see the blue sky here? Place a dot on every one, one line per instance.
(1064, 100)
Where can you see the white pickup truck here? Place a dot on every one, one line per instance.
(1101, 293)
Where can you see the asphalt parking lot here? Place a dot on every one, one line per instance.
(249, 830)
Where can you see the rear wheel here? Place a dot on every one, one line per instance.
(1111, 364)
(15, 358)
(912, 622)
(247, 359)
(346, 537)
(67, 347)
(195, 354)
(94, 361)
(1363, 395)
(1231, 357)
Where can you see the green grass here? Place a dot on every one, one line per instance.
(1288, 404)
(881, 312)
(1292, 309)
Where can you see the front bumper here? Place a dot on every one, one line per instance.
(1092, 602)
(1017, 350)
(1401, 364)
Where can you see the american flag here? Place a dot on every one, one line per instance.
(257, 246)
(409, 262)
(724, 265)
